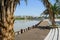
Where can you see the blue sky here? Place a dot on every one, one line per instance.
(33, 8)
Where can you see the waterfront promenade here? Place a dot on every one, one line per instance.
(40, 32)
(35, 33)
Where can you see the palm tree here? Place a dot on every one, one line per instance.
(7, 8)
(56, 10)
(51, 11)
(48, 6)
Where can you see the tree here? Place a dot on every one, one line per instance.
(51, 11)
(55, 9)
(7, 8)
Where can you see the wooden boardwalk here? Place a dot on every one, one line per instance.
(34, 34)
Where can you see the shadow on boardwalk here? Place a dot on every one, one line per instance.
(44, 27)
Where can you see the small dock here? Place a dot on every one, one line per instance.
(34, 33)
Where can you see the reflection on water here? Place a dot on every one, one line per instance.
(21, 24)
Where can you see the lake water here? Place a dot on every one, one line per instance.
(22, 24)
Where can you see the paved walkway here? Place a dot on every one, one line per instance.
(44, 23)
(34, 34)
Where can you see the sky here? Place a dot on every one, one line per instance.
(33, 8)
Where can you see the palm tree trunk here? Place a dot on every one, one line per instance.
(51, 15)
(6, 23)
(53, 20)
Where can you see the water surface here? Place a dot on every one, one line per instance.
(22, 24)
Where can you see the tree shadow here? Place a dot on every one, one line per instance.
(44, 27)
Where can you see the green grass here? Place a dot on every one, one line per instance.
(19, 18)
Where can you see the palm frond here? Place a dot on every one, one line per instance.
(43, 1)
(25, 1)
(17, 1)
(57, 1)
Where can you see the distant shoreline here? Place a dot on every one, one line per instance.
(55, 19)
(25, 19)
